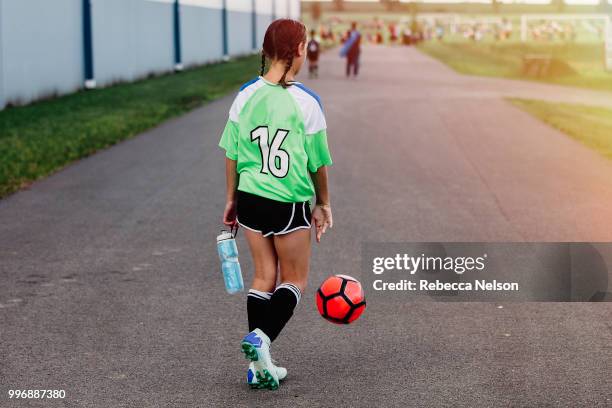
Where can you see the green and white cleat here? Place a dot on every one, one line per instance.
(256, 348)
(252, 375)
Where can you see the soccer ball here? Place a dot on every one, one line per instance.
(340, 299)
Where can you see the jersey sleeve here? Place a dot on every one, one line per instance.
(317, 150)
(229, 139)
(316, 138)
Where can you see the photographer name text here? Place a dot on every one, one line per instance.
(432, 264)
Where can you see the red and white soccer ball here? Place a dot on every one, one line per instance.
(340, 299)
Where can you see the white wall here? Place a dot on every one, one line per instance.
(281, 8)
(287, 8)
(296, 9)
(201, 31)
(41, 49)
(263, 7)
(41, 41)
(263, 21)
(131, 39)
(239, 32)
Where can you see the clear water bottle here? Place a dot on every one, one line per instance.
(228, 254)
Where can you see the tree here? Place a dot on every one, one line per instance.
(495, 5)
(315, 10)
(559, 5)
(389, 4)
(414, 10)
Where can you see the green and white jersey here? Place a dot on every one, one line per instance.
(277, 135)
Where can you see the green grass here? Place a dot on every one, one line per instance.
(41, 138)
(504, 59)
(589, 125)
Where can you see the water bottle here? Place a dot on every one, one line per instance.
(228, 254)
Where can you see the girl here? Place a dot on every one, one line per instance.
(276, 151)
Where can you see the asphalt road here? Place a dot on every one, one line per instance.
(111, 287)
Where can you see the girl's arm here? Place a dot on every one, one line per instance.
(231, 179)
(319, 180)
(322, 214)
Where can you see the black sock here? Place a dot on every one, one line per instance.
(258, 308)
(284, 299)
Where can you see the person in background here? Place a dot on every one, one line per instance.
(312, 53)
(352, 55)
(346, 36)
(438, 30)
(392, 33)
(407, 36)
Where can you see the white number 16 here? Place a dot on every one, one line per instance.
(273, 159)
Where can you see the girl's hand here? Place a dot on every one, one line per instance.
(322, 218)
(229, 214)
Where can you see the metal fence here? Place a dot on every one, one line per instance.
(54, 47)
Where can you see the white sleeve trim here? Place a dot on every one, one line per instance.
(242, 98)
(314, 119)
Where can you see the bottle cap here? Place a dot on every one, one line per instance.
(224, 235)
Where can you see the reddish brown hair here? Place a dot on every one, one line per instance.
(281, 42)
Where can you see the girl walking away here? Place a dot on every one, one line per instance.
(276, 151)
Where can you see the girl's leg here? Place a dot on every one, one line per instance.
(264, 279)
(262, 372)
(293, 251)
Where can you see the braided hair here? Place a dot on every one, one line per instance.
(263, 62)
(281, 42)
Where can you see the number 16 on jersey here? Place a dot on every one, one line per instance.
(274, 160)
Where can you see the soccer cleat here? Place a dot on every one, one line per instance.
(256, 348)
(252, 376)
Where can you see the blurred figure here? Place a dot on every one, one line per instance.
(440, 32)
(407, 36)
(416, 32)
(353, 49)
(379, 37)
(312, 53)
(345, 36)
(392, 33)
(506, 29)
(478, 34)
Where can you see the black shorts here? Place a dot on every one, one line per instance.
(269, 217)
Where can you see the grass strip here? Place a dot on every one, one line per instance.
(38, 139)
(505, 60)
(587, 124)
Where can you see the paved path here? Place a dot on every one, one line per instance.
(111, 290)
